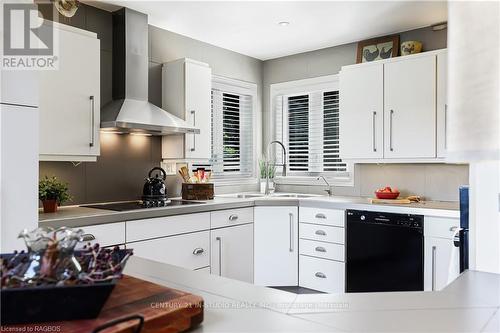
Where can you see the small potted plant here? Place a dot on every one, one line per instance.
(52, 193)
(266, 170)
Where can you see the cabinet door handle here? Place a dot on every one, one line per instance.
(219, 239)
(320, 216)
(433, 262)
(320, 232)
(87, 237)
(320, 275)
(390, 130)
(193, 112)
(198, 251)
(291, 232)
(233, 217)
(320, 249)
(92, 126)
(374, 131)
(445, 126)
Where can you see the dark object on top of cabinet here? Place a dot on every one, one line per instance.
(377, 48)
(197, 191)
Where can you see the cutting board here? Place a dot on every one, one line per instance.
(164, 310)
(390, 201)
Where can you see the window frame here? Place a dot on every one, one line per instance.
(230, 85)
(302, 87)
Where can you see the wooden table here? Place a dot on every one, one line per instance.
(164, 310)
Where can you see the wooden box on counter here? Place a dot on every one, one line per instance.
(197, 191)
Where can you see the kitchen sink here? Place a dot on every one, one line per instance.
(294, 195)
(252, 195)
(275, 195)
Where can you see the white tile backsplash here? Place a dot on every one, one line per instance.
(432, 181)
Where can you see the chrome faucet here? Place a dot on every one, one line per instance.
(330, 187)
(267, 163)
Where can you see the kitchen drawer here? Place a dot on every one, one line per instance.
(321, 233)
(105, 234)
(321, 249)
(440, 227)
(230, 217)
(334, 217)
(322, 275)
(166, 226)
(191, 251)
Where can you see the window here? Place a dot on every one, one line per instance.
(306, 115)
(232, 130)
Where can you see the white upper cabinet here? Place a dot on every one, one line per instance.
(393, 110)
(69, 99)
(410, 108)
(361, 112)
(187, 94)
(442, 104)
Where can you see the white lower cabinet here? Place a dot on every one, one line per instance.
(441, 263)
(104, 234)
(276, 246)
(441, 255)
(321, 274)
(191, 251)
(232, 252)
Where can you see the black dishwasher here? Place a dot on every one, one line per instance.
(384, 252)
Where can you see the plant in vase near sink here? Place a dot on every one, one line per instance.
(52, 193)
(266, 169)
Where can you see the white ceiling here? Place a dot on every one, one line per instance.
(251, 28)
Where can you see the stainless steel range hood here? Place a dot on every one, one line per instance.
(130, 110)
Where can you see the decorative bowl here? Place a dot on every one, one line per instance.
(386, 195)
(411, 47)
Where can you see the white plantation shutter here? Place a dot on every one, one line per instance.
(232, 135)
(308, 125)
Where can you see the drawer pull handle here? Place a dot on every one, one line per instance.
(198, 251)
(320, 216)
(233, 217)
(88, 237)
(320, 275)
(320, 232)
(320, 249)
(452, 229)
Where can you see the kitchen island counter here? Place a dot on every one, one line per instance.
(76, 216)
(469, 304)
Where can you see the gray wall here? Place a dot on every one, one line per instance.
(167, 46)
(125, 160)
(434, 181)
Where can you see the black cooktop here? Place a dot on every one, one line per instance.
(134, 205)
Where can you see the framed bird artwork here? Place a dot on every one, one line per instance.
(378, 48)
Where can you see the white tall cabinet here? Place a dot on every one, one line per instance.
(276, 253)
(186, 85)
(70, 99)
(18, 156)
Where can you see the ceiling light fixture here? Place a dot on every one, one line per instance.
(284, 23)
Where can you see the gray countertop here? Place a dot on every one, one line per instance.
(75, 216)
(469, 304)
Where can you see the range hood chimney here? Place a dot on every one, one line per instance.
(130, 111)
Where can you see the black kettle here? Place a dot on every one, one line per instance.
(155, 187)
